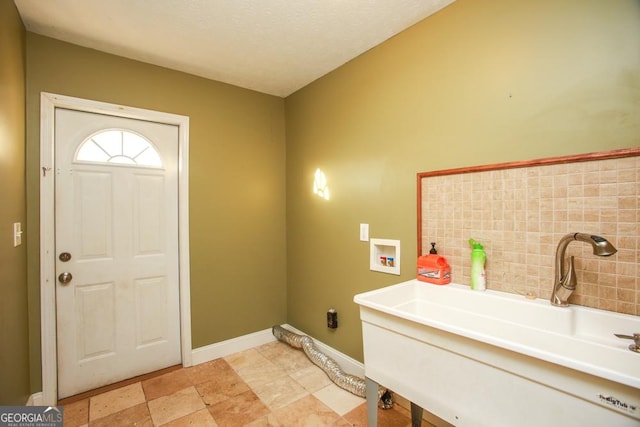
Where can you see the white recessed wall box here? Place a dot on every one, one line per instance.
(385, 256)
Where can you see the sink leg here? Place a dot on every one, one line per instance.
(372, 402)
(416, 415)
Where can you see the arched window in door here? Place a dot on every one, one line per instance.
(118, 146)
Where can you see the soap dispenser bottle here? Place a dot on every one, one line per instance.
(478, 260)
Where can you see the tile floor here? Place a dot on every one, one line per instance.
(270, 385)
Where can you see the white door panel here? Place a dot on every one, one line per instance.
(94, 321)
(119, 315)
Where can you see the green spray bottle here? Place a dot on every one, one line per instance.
(478, 260)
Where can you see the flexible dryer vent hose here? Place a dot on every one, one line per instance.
(351, 383)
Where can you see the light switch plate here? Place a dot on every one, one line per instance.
(17, 234)
(364, 232)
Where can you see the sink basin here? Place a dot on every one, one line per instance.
(434, 344)
(577, 337)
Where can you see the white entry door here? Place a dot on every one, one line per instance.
(116, 239)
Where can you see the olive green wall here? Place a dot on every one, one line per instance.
(14, 332)
(237, 182)
(477, 83)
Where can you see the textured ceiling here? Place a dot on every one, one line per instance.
(271, 46)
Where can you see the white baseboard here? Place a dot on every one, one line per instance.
(35, 400)
(245, 342)
(234, 345)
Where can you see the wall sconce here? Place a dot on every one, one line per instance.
(320, 185)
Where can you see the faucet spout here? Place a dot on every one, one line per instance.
(565, 286)
(565, 282)
(601, 246)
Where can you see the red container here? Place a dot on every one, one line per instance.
(434, 269)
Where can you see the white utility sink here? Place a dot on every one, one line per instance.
(482, 358)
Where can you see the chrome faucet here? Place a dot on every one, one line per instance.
(565, 282)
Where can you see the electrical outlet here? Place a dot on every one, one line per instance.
(17, 234)
(332, 319)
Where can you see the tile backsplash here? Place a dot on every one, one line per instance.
(520, 214)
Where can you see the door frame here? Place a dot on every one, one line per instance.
(48, 103)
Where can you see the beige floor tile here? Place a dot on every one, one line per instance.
(239, 410)
(222, 388)
(245, 359)
(166, 384)
(276, 349)
(267, 386)
(338, 399)
(77, 413)
(291, 360)
(201, 418)
(255, 369)
(394, 417)
(306, 412)
(341, 422)
(273, 347)
(135, 416)
(266, 421)
(281, 392)
(208, 371)
(115, 401)
(311, 378)
(260, 375)
(176, 405)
